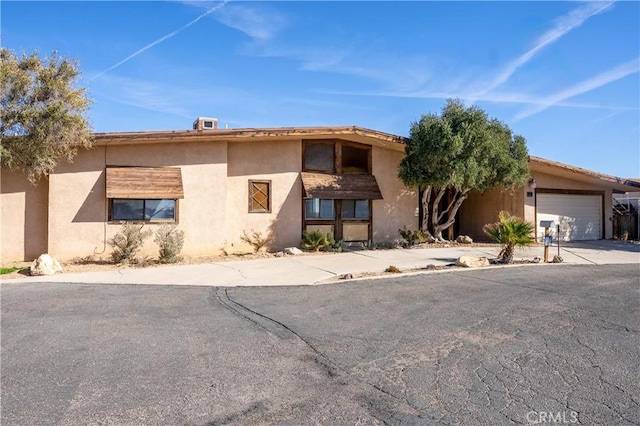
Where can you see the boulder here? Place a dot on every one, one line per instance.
(293, 251)
(464, 239)
(45, 265)
(472, 261)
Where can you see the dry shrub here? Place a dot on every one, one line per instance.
(170, 243)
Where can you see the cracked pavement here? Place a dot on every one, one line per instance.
(500, 346)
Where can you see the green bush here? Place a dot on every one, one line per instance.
(334, 246)
(413, 237)
(315, 240)
(511, 232)
(170, 242)
(127, 242)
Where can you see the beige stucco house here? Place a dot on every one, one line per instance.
(216, 184)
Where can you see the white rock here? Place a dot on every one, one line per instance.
(472, 261)
(45, 265)
(464, 239)
(293, 250)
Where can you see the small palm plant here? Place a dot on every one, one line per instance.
(315, 240)
(511, 232)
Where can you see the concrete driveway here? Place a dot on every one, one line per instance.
(513, 345)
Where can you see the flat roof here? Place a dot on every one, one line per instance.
(352, 133)
(349, 133)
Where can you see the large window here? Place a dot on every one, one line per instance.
(355, 209)
(319, 157)
(317, 208)
(259, 196)
(143, 210)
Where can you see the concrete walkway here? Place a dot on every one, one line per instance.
(325, 268)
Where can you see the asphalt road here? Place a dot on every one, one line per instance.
(527, 345)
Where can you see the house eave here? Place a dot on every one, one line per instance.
(617, 184)
(350, 133)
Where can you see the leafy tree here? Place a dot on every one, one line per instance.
(41, 119)
(459, 151)
(511, 232)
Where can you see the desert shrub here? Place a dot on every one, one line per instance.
(170, 241)
(256, 239)
(334, 246)
(413, 237)
(315, 240)
(127, 242)
(393, 269)
(511, 232)
(385, 245)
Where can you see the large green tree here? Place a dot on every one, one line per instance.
(42, 118)
(461, 150)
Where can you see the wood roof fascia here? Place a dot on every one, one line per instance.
(630, 183)
(180, 136)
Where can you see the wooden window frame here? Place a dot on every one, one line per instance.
(331, 143)
(337, 155)
(355, 145)
(144, 201)
(251, 195)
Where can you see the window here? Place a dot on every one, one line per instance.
(259, 196)
(355, 160)
(143, 210)
(319, 157)
(355, 209)
(317, 208)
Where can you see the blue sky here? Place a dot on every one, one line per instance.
(565, 75)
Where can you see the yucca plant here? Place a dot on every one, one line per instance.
(511, 232)
(315, 240)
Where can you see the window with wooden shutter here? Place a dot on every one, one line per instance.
(259, 196)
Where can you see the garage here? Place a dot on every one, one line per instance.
(579, 215)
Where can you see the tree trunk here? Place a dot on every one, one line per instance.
(426, 199)
(435, 216)
(506, 255)
(451, 211)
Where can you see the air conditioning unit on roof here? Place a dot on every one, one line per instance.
(205, 123)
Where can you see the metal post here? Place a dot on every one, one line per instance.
(558, 237)
(546, 246)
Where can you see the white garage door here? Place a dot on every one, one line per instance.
(579, 216)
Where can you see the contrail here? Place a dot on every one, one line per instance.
(567, 23)
(621, 71)
(160, 40)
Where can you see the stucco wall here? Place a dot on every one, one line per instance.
(281, 163)
(399, 204)
(479, 209)
(78, 205)
(23, 217)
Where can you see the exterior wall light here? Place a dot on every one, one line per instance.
(532, 183)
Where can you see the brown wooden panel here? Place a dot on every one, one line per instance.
(144, 182)
(340, 187)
